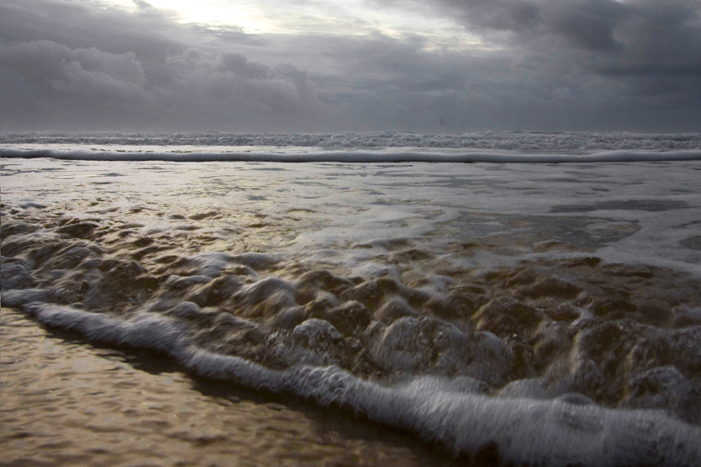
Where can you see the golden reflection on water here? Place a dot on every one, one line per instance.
(65, 403)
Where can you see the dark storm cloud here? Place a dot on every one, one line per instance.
(96, 68)
(397, 83)
(550, 65)
(193, 90)
(643, 57)
(87, 72)
(637, 36)
(584, 23)
(85, 24)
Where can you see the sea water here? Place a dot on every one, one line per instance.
(540, 304)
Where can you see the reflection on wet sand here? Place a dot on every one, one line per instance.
(67, 403)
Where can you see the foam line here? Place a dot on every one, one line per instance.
(483, 140)
(537, 432)
(350, 156)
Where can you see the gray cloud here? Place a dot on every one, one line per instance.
(135, 79)
(554, 65)
(193, 90)
(642, 56)
(227, 82)
(85, 25)
(635, 34)
(85, 72)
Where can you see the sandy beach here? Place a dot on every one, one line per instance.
(68, 403)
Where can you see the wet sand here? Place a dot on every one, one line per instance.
(68, 403)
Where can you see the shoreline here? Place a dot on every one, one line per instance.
(66, 402)
(465, 312)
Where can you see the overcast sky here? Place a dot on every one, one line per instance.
(350, 65)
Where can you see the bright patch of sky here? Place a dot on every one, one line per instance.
(309, 17)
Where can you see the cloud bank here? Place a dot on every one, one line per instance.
(540, 65)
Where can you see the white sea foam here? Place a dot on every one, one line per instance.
(567, 430)
(352, 156)
(578, 142)
(358, 147)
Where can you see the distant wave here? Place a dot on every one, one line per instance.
(578, 142)
(357, 147)
(385, 155)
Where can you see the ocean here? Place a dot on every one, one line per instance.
(488, 298)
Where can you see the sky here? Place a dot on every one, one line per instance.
(428, 66)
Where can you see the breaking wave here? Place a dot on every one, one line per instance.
(454, 413)
(512, 141)
(358, 147)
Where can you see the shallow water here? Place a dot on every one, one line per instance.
(464, 304)
(68, 403)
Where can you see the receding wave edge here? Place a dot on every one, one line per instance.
(563, 431)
